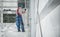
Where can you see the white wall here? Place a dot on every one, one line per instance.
(51, 23)
(0, 30)
(42, 4)
(0, 18)
(33, 14)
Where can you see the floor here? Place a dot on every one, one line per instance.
(11, 31)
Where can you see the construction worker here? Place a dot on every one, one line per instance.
(19, 20)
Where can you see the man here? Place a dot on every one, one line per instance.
(19, 20)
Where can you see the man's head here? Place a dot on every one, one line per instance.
(21, 5)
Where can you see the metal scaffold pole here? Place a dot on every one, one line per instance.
(25, 3)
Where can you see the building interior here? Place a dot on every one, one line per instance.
(42, 18)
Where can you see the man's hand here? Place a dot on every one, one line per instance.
(24, 11)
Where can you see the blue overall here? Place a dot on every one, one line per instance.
(19, 23)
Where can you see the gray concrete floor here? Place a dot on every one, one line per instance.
(12, 32)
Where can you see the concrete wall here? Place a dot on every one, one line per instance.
(0, 18)
(51, 23)
(33, 14)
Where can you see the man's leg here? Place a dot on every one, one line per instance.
(22, 25)
(18, 23)
(18, 26)
(23, 30)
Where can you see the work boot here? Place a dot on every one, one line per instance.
(19, 31)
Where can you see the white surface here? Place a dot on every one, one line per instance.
(50, 24)
(11, 31)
